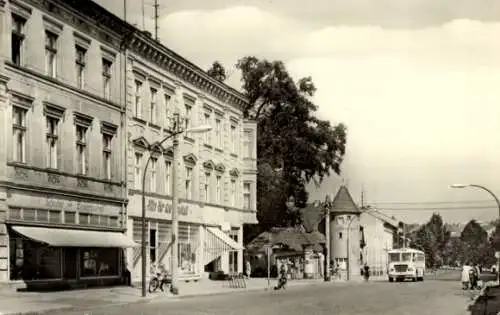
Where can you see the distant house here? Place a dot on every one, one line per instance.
(355, 236)
(295, 244)
(379, 231)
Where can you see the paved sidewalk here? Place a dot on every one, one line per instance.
(30, 303)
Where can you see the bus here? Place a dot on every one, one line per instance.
(406, 263)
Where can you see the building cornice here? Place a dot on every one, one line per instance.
(88, 17)
(148, 48)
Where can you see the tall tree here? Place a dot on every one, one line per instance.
(217, 71)
(495, 237)
(294, 146)
(432, 238)
(452, 252)
(475, 247)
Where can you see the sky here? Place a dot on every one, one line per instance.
(417, 82)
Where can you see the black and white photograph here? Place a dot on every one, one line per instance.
(220, 157)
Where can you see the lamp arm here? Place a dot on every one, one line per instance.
(488, 191)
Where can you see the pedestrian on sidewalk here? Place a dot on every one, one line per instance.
(248, 269)
(127, 277)
(366, 272)
(282, 277)
(466, 276)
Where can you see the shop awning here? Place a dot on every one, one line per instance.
(217, 243)
(75, 238)
(225, 238)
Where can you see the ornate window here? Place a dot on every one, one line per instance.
(106, 77)
(82, 123)
(247, 195)
(138, 99)
(108, 131)
(17, 39)
(153, 109)
(51, 53)
(80, 63)
(137, 170)
(19, 133)
(190, 162)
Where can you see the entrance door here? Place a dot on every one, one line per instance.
(70, 263)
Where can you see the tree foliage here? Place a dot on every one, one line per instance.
(495, 237)
(217, 71)
(294, 146)
(472, 247)
(432, 238)
(475, 247)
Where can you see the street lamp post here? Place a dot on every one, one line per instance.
(498, 205)
(328, 206)
(174, 131)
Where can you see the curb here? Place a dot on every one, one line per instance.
(483, 292)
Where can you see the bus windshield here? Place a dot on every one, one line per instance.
(394, 257)
(406, 256)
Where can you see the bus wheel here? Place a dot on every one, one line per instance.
(391, 279)
(420, 279)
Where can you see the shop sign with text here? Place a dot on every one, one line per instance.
(161, 206)
(60, 203)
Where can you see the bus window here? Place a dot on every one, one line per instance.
(407, 257)
(394, 257)
(420, 257)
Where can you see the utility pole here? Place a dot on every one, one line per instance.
(362, 197)
(327, 208)
(143, 20)
(156, 5)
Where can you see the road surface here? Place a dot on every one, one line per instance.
(422, 298)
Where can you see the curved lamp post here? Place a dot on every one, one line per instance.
(498, 205)
(173, 133)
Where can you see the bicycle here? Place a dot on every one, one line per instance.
(158, 281)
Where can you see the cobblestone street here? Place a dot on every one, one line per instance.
(429, 297)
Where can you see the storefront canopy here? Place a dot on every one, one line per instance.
(225, 238)
(217, 243)
(75, 238)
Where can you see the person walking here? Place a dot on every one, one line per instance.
(366, 272)
(282, 280)
(248, 269)
(466, 276)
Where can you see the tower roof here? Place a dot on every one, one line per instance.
(343, 202)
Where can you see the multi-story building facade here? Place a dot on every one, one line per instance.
(379, 231)
(62, 157)
(83, 98)
(216, 177)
